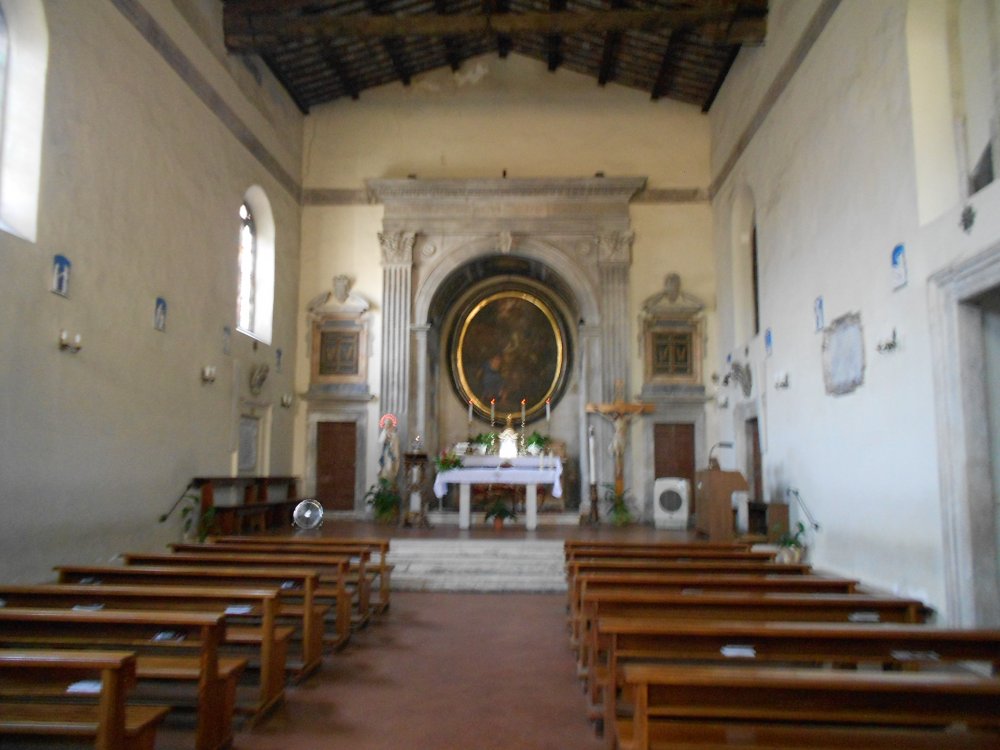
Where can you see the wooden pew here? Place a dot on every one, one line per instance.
(297, 583)
(576, 544)
(269, 641)
(34, 683)
(357, 574)
(646, 639)
(732, 605)
(378, 548)
(803, 698)
(331, 583)
(178, 647)
(687, 554)
(699, 583)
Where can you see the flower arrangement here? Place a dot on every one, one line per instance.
(448, 460)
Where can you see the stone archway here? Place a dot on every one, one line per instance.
(578, 229)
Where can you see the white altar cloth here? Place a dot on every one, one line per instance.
(529, 474)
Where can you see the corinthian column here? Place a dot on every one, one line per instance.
(397, 265)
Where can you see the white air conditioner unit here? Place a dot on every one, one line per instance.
(671, 502)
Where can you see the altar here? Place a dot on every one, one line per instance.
(529, 471)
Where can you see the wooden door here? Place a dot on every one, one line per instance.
(336, 454)
(673, 452)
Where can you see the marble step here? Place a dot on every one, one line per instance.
(477, 565)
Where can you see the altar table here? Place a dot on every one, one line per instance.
(529, 471)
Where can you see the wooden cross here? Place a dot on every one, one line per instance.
(619, 412)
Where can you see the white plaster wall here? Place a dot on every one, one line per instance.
(833, 177)
(494, 115)
(140, 188)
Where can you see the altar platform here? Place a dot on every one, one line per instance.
(445, 557)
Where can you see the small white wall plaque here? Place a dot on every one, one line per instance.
(160, 314)
(898, 267)
(60, 275)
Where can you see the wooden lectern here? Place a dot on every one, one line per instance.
(713, 492)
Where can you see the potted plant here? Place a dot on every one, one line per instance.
(618, 510)
(447, 460)
(485, 442)
(536, 443)
(384, 499)
(197, 525)
(791, 545)
(499, 512)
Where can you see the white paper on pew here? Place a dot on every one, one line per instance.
(864, 617)
(85, 687)
(288, 585)
(915, 655)
(168, 635)
(738, 652)
(239, 609)
(88, 607)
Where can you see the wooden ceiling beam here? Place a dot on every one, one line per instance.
(496, 9)
(720, 79)
(332, 59)
(720, 21)
(553, 42)
(668, 66)
(450, 44)
(609, 55)
(393, 47)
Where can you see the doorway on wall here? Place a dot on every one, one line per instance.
(336, 467)
(754, 463)
(673, 452)
(965, 346)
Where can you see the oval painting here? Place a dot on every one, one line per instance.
(509, 346)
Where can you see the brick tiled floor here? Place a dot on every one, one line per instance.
(442, 671)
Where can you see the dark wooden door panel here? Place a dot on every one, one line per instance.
(336, 456)
(673, 452)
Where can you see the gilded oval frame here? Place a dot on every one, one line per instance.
(509, 345)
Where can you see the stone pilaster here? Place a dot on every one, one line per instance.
(613, 260)
(397, 269)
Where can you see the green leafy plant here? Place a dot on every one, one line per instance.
(498, 509)
(384, 499)
(793, 539)
(447, 460)
(196, 523)
(537, 438)
(617, 502)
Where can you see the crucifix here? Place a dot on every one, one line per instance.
(620, 413)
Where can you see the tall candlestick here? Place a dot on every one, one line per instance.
(470, 413)
(593, 465)
(493, 404)
(523, 402)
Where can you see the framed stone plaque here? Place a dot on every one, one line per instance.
(339, 351)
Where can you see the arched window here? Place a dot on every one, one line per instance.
(255, 264)
(745, 259)
(248, 271)
(22, 112)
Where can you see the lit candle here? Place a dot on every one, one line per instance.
(493, 403)
(548, 409)
(593, 466)
(470, 411)
(523, 402)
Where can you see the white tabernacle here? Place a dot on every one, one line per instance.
(527, 470)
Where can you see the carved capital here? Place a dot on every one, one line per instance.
(615, 247)
(397, 247)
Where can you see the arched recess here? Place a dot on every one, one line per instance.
(533, 265)
(263, 313)
(743, 264)
(23, 116)
(582, 289)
